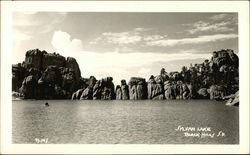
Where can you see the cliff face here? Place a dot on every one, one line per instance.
(46, 76)
(51, 76)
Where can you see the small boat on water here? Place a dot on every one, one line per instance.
(47, 104)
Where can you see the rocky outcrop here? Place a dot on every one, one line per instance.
(72, 64)
(29, 87)
(118, 92)
(212, 79)
(52, 59)
(77, 95)
(87, 94)
(186, 94)
(41, 59)
(86, 91)
(17, 96)
(155, 88)
(18, 75)
(45, 75)
(125, 90)
(203, 93)
(137, 88)
(217, 92)
(169, 90)
(104, 89)
(179, 90)
(122, 91)
(34, 59)
(233, 100)
(49, 80)
(91, 82)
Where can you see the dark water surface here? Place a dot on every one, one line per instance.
(123, 122)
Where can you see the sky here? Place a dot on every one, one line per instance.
(124, 45)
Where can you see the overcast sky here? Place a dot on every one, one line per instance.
(123, 45)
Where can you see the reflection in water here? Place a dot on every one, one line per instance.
(123, 122)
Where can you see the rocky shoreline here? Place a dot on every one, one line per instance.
(45, 75)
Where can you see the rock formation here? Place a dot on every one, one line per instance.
(118, 92)
(233, 100)
(45, 75)
(77, 95)
(87, 94)
(72, 64)
(203, 93)
(217, 92)
(18, 75)
(122, 91)
(125, 90)
(137, 88)
(155, 88)
(169, 90)
(104, 89)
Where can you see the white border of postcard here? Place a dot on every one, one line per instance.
(7, 7)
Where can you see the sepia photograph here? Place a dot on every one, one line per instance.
(125, 77)
(133, 78)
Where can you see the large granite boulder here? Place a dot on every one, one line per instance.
(170, 90)
(92, 81)
(124, 90)
(104, 89)
(29, 87)
(118, 92)
(234, 99)
(17, 96)
(163, 75)
(87, 94)
(203, 93)
(191, 91)
(179, 90)
(155, 88)
(69, 81)
(217, 92)
(151, 82)
(158, 93)
(137, 88)
(77, 95)
(186, 91)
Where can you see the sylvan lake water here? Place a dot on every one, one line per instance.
(124, 122)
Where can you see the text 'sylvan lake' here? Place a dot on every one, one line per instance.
(124, 122)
